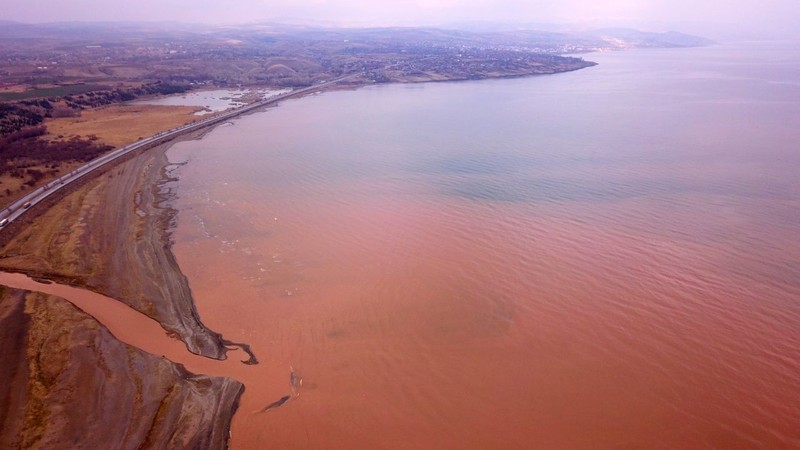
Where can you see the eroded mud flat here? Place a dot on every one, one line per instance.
(67, 382)
(111, 235)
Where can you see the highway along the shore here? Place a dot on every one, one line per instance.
(22, 204)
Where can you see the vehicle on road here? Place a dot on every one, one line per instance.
(3, 223)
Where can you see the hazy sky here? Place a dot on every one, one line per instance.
(684, 15)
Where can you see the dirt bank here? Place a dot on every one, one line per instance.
(66, 382)
(111, 235)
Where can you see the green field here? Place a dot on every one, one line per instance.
(57, 91)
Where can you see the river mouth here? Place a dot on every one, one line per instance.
(128, 325)
(136, 329)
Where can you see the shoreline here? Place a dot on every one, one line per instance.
(141, 193)
(553, 290)
(122, 234)
(116, 254)
(110, 235)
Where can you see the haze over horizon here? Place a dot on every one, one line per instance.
(769, 18)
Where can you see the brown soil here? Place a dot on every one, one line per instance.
(66, 382)
(119, 125)
(111, 236)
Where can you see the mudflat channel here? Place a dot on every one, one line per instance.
(128, 325)
(111, 235)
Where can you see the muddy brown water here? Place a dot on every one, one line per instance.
(601, 259)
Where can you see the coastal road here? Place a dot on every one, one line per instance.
(23, 204)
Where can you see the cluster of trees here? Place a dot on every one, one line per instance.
(27, 155)
(25, 113)
(24, 153)
(100, 98)
(14, 117)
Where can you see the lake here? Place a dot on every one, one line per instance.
(607, 258)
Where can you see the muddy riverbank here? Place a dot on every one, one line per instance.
(110, 235)
(67, 382)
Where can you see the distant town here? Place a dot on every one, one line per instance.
(39, 55)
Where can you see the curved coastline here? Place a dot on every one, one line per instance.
(111, 234)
